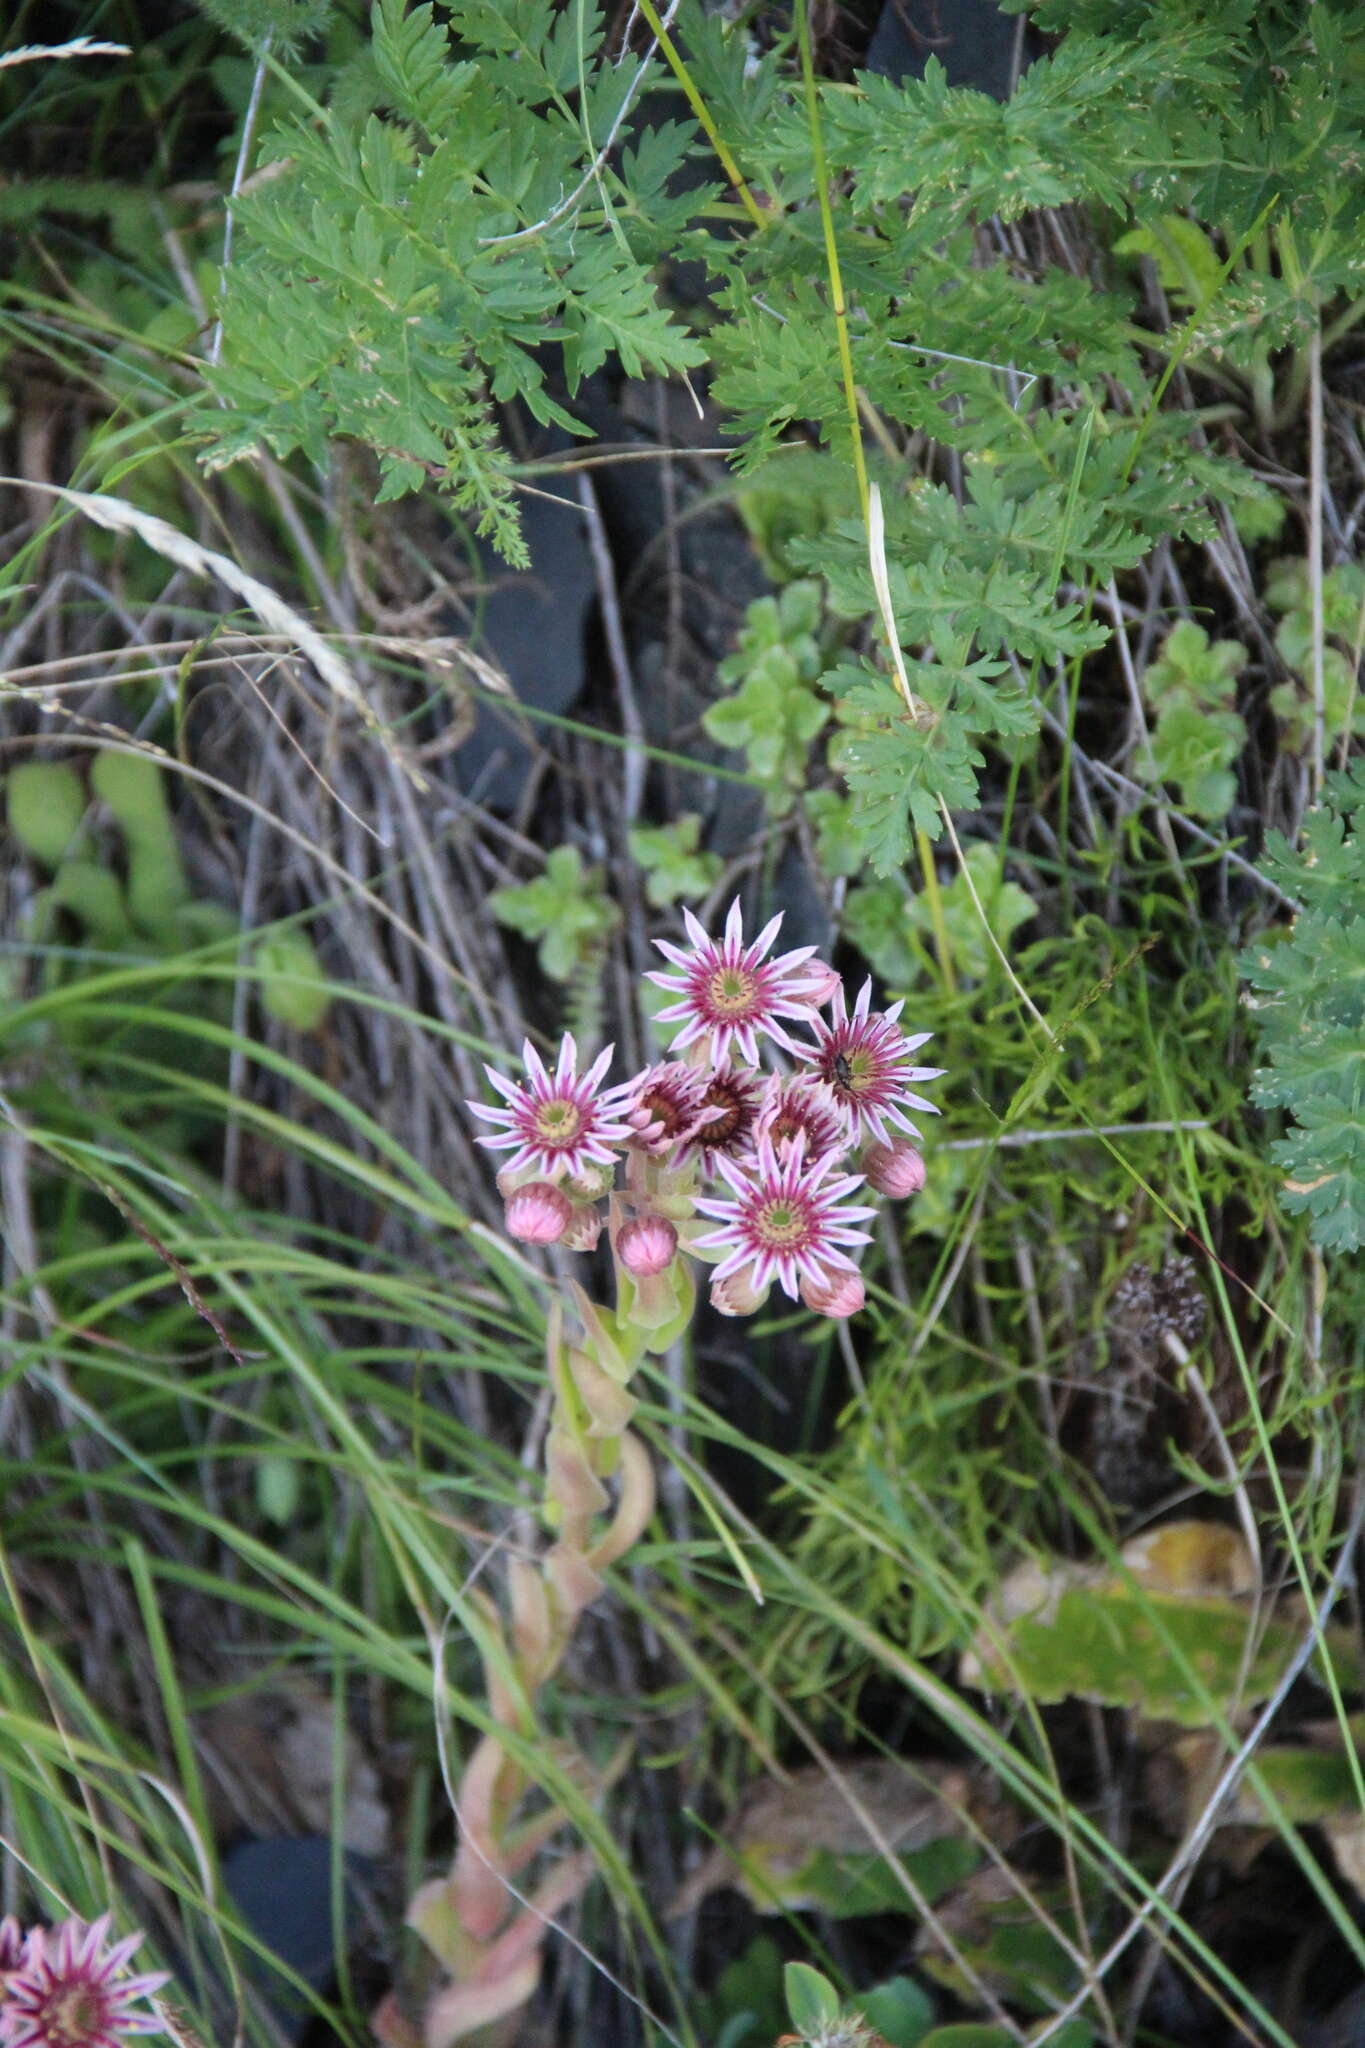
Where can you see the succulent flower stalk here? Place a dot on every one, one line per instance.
(707, 1133)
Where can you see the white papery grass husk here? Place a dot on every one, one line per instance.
(80, 46)
(118, 516)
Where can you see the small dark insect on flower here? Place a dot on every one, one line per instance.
(843, 1073)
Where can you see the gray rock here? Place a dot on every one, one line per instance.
(976, 44)
(532, 626)
(282, 1887)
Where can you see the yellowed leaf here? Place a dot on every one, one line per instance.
(1192, 1557)
(789, 1840)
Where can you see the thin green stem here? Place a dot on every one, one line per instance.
(836, 284)
(678, 65)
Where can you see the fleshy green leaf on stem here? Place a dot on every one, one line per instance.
(45, 804)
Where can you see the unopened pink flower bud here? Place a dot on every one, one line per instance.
(538, 1213)
(582, 1230)
(647, 1245)
(841, 1294)
(825, 979)
(735, 1297)
(895, 1169)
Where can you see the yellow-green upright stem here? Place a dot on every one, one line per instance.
(677, 64)
(836, 282)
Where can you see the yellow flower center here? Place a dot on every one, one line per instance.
(732, 992)
(850, 1073)
(782, 1224)
(559, 1122)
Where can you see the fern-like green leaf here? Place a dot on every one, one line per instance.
(408, 268)
(899, 771)
(1311, 1015)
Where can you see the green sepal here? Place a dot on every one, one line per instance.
(658, 1310)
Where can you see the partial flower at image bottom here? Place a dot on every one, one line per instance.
(67, 1987)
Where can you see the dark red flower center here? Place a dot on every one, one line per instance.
(73, 2015)
(722, 1133)
(662, 1108)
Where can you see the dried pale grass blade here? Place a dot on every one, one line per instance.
(881, 583)
(80, 46)
(118, 516)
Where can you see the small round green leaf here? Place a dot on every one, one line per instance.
(812, 2000)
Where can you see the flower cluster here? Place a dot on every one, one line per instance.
(65, 1987)
(788, 1143)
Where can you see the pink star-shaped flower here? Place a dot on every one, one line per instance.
(730, 994)
(865, 1062)
(788, 1220)
(69, 1990)
(557, 1122)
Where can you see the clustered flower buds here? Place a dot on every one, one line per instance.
(788, 1148)
(65, 1987)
